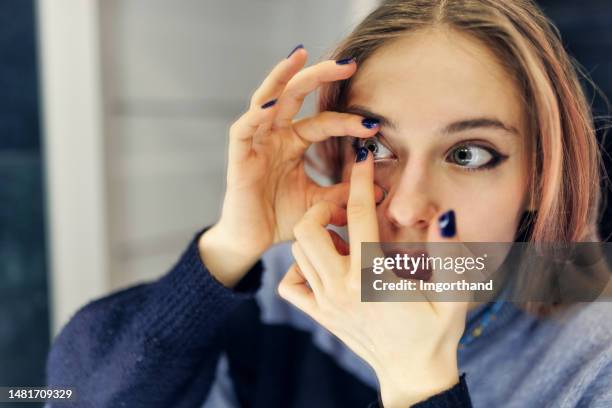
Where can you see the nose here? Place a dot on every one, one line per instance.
(411, 203)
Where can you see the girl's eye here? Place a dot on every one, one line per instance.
(473, 157)
(378, 149)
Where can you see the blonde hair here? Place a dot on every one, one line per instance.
(565, 160)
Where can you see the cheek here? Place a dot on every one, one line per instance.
(492, 211)
(487, 222)
(488, 204)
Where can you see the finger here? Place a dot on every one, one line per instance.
(316, 241)
(242, 131)
(326, 124)
(263, 105)
(308, 271)
(362, 220)
(293, 288)
(338, 194)
(276, 81)
(305, 82)
(361, 206)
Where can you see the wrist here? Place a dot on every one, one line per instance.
(402, 391)
(226, 261)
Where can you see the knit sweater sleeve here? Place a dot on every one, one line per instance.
(457, 396)
(153, 345)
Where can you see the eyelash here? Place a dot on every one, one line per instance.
(496, 159)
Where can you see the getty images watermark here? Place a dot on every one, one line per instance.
(450, 271)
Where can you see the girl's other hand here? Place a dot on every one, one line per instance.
(412, 346)
(268, 190)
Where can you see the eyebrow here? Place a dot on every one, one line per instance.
(454, 127)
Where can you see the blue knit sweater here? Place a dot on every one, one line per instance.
(185, 340)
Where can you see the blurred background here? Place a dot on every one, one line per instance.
(113, 124)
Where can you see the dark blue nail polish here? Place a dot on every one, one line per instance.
(269, 104)
(345, 61)
(295, 49)
(446, 222)
(362, 154)
(370, 123)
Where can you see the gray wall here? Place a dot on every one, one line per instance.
(176, 74)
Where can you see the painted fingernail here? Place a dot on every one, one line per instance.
(370, 123)
(295, 49)
(269, 104)
(345, 61)
(362, 154)
(446, 222)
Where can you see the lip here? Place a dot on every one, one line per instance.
(421, 273)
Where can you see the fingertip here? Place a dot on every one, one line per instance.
(296, 49)
(299, 57)
(363, 168)
(269, 104)
(346, 61)
(346, 66)
(362, 127)
(447, 224)
(361, 155)
(370, 123)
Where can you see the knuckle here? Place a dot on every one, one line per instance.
(279, 83)
(321, 207)
(294, 249)
(303, 230)
(298, 230)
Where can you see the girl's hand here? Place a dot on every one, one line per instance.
(412, 346)
(268, 190)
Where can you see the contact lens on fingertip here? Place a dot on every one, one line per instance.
(362, 154)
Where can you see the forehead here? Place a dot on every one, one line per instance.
(433, 76)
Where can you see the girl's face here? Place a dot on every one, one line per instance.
(452, 136)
